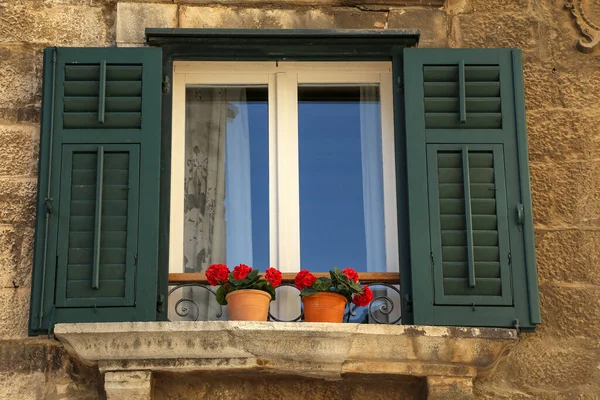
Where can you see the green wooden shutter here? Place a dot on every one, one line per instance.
(96, 234)
(471, 228)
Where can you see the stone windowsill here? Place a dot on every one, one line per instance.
(449, 357)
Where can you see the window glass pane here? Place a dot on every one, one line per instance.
(341, 184)
(226, 179)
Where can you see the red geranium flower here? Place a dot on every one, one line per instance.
(304, 279)
(351, 274)
(217, 274)
(241, 271)
(273, 276)
(364, 297)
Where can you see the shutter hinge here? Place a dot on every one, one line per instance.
(166, 85)
(400, 85)
(408, 302)
(509, 259)
(49, 205)
(520, 216)
(432, 260)
(160, 303)
(135, 258)
(516, 326)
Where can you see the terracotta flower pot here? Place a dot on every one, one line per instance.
(324, 307)
(248, 305)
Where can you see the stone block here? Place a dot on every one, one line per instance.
(519, 6)
(570, 311)
(9, 256)
(128, 385)
(542, 87)
(17, 200)
(577, 192)
(569, 256)
(56, 24)
(497, 30)
(561, 135)
(432, 23)
(257, 18)
(449, 388)
(134, 18)
(548, 363)
(14, 313)
(16, 152)
(30, 386)
(20, 84)
(542, 196)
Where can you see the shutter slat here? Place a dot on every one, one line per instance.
(107, 272)
(113, 104)
(123, 120)
(458, 269)
(483, 287)
(83, 289)
(474, 120)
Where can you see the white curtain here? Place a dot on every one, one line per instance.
(217, 226)
(372, 175)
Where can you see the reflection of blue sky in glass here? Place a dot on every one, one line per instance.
(332, 221)
(258, 121)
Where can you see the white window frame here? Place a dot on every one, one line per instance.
(282, 80)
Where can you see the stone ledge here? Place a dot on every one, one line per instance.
(445, 355)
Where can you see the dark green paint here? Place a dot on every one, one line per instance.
(126, 276)
(496, 300)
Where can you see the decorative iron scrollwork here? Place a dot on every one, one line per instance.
(585, 12)
(384, 309)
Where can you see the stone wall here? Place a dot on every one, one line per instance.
(560, 361)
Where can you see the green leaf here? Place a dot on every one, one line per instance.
(322, 285)
(221, 293)
(307, 291)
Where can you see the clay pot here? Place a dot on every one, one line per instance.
(324, 307)
(248, 305)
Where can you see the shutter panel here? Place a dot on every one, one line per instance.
(472, 252)
(96, 234)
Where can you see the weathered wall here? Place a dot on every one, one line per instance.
(560, 361)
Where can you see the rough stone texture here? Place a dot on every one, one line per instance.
(497, 30)
(136, 385)
(16, 153)
(17, 200)
(41, 369)
(251, 386)
(566, 256)
(56, 25)
(133, 18)
(14, 312)
(432, 23)
(257, 18)
(446, 388)
(20, 83)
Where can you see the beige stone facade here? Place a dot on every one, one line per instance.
(560, 361)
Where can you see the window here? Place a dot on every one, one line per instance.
(287, 164)
(111, 143)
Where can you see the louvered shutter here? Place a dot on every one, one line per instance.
(471, 229)
(97, 214)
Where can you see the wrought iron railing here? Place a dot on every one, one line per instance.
(186, 289)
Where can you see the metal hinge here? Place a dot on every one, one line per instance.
(135, 259)
(160, 303)
(166, 85)
(49, 205)
(509, 259)
(432, 259)
(517, 326)
(400, 85)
